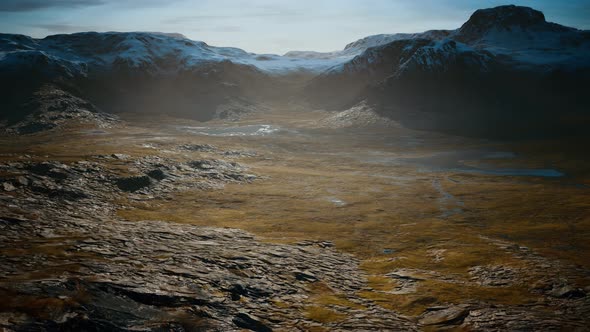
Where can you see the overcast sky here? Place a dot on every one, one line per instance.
(263, 26)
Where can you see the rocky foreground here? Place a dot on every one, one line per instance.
(69, 263)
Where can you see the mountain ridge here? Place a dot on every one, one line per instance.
(506, 72)
(494, 49)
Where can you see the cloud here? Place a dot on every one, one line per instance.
(36, 5)
(193, 18)
(253, 12)
(31, 5)
(65, 28)
(227, 28)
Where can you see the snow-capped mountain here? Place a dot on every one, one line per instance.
(506, 66)
(81, 54)
(376, 40)
(358, 47)
(139, 72)
(147, 71)
(523, 34)
(77, 53)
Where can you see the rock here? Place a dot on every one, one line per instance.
(406, 280)
(41, 168)
(53, 170)
(203, 164)
(59, 174)
(321, 244)
(305, 276)
(157, 174)
(7, 186)
(402, 274)
(199, 147)
(23, 181)
(239, 154)
(494, 275)
(71, 194)
(120, 156)
(360, 115)
(133, 183)
(567, 292)
(215, 164)
(326, 244)
(541, 285)
(236, 291)
(246, 321)
(49, 107)
(148, 296)
(448, 316)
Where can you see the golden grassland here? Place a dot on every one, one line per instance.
(392, 216)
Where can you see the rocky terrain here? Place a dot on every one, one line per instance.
(361, 115)
(51, 108)
(72, 262)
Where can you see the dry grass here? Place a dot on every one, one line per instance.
(392, 214)
(323, 315)
(321, 294)
(294, 204)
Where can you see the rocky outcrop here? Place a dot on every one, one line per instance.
(360, 116)
(50, 107)
(158, 272)
(484, 21)
(69, 263)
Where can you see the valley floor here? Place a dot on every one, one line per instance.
(280, 222)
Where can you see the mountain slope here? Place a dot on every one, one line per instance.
(505, 72)
(141, 72)
(147, 72)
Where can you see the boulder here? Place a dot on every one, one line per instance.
(133, 183)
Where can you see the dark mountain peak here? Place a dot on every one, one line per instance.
(504, 18)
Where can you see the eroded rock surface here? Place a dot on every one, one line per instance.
(51, 107)
(157, 272)
(70, 263)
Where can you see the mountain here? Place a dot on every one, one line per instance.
(147, 72)
(156, 51)
(142, 72)
(357, 47)
(505, 72)
(150, 71)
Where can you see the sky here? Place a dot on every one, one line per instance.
(264, 26)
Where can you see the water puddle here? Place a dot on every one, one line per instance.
(94, 132)
(448, 204)
(337, 202)
(247, 130)
(458, 161)
(539, 172)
